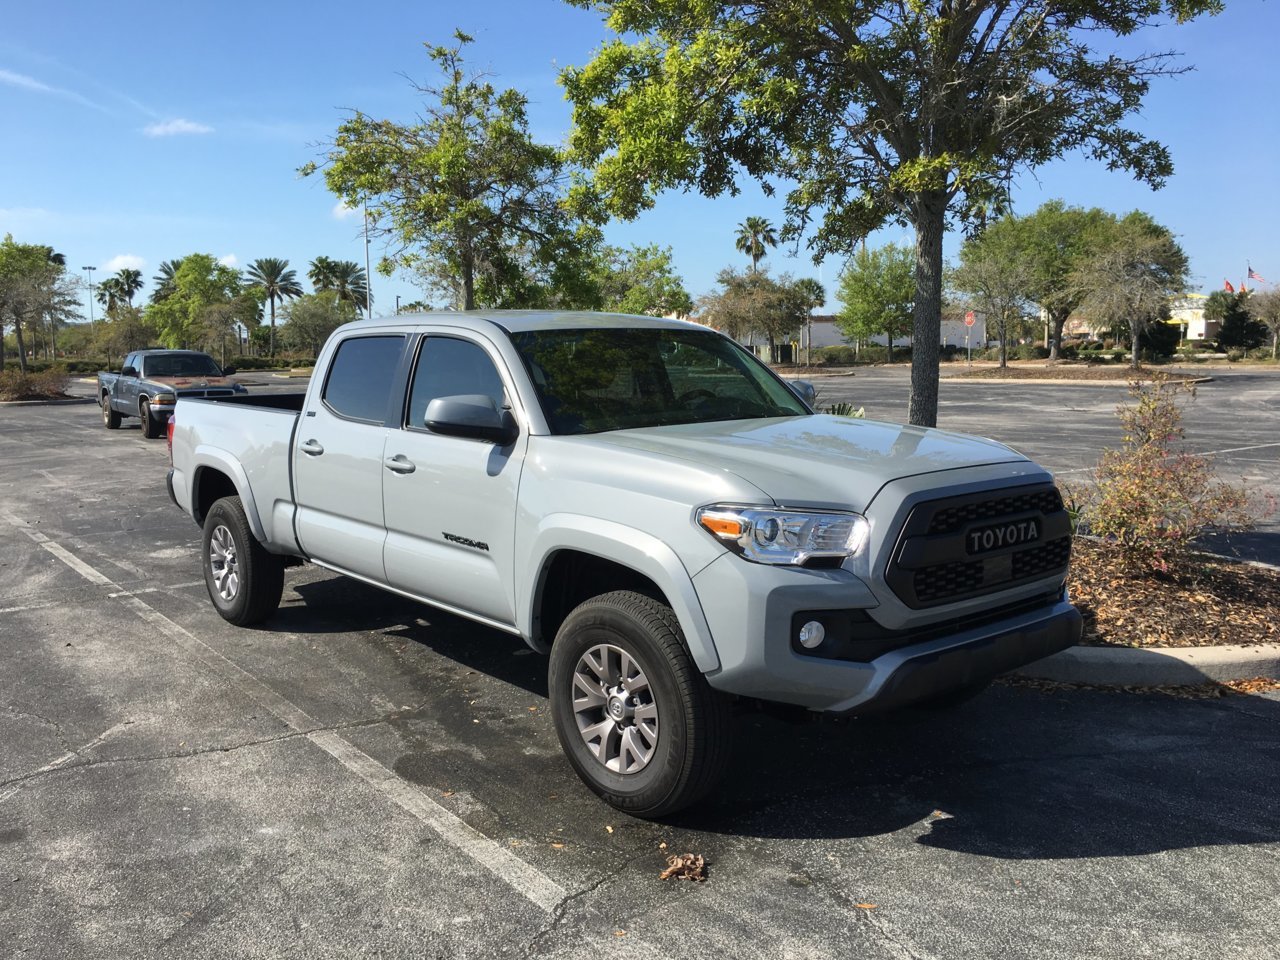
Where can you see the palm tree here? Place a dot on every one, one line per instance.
(755, 235)
(130, 283)
(111, 294)
(278, 282)
(346, 278)
(165, 273)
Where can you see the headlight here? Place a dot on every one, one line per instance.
(785, 536)
(164, 399)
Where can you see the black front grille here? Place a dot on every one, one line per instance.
(932, 564)
(950, 518)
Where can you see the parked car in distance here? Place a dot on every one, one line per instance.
(151, 381)
(650, 505)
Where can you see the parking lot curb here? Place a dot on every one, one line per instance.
(46, 403)
(1156, 666)
(961, 378)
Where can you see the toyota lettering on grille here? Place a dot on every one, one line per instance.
(999, 535)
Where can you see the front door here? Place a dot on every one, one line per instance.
(450, 502)
(337, 459)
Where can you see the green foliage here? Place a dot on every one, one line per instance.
(877, 289)
(845, 409)
(1161, 340)
(36, 295)
(464, 194)
(1153, 499)
(754, 304)
(755, 236)
(997, 273)
(199, 283)
(641, 280)
(1238, 329)
(877, 112)
(1128, 281)
(1264, 306)
(273, 277)
(312, 317)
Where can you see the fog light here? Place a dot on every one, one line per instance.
(811, 634)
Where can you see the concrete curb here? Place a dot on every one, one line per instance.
(46, 403)
(1156, 666)
(961, 378)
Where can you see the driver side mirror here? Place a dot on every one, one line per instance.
(129, 372)
(471, 415)
(228, 371)
(804, 390)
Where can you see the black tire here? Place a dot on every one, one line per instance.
(258, 575)
(151, 427)
(692, 722)
(110, 419)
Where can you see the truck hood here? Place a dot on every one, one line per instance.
(198, 383)
(819, 460)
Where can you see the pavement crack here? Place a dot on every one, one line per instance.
(45, 721)
(50, 770)
(561, 911)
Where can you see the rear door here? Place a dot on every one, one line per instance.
(337, 455)
(450, 502)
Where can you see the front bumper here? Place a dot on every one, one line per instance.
(750, 609)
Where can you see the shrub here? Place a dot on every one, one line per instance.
(840, 355)
(1235, 354)
(1030, 351)
(49, 384)
(1152, 500)
(845, 409)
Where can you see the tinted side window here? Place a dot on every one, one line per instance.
(360, 377)
(448, 367)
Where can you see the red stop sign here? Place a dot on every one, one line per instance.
(968, 319)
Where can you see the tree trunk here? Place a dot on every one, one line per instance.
(22, 346)
(468, 282)
(1, 344)
(890, 339)
(1004, 345)
(1057, 321)
(272, 301)
(1134, 342)
(929, 211)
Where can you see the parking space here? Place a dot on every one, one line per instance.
(365, 776)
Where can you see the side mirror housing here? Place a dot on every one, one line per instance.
(804, 390)
(228, 371)
(129, 372)
(471, 415)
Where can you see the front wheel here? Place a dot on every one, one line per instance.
(637, 720)
(244, 580)
(151, 427)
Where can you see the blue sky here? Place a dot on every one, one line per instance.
(135, 132)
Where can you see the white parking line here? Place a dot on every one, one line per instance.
(520, 876)
(1202, 453)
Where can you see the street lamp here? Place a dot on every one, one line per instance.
(397, 304)
(89, 273)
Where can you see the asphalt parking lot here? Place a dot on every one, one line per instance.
(368, 777)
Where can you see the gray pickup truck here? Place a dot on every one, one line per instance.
(151, 381)
(651, 506)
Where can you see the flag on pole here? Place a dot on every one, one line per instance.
(1226, 285)
(1253, 275)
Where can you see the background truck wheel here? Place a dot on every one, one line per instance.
(151, 427)
(637, 720)
(244, 580)
(110, 419)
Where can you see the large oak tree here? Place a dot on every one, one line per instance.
(911, 111)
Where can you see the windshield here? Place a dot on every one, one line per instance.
(180, 365)
(594, 380)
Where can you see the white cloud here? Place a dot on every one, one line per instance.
(342, 212)
(230, 260)
(37, 86)
(175, 127)
(123, 261)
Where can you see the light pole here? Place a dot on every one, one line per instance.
(397, 304)
(89, 273)
(368, 277)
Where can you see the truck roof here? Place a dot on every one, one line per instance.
(519, 321)
(151, 350)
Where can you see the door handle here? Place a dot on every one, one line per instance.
(311, 448)
(399, 464)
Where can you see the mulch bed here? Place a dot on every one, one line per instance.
(1216, 602)
(1070, 370)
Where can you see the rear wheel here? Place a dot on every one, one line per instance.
(637, 720)
(151, 427)
(243, 579)
(110, 419)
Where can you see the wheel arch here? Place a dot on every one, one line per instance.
(581, 557)
(216, 476)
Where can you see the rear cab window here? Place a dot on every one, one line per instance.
(361, 377)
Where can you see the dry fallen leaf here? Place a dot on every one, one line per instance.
(557, 846)
(685, 866)
(447, 793)
(608, 829)
(865, 906)
(619, 933)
